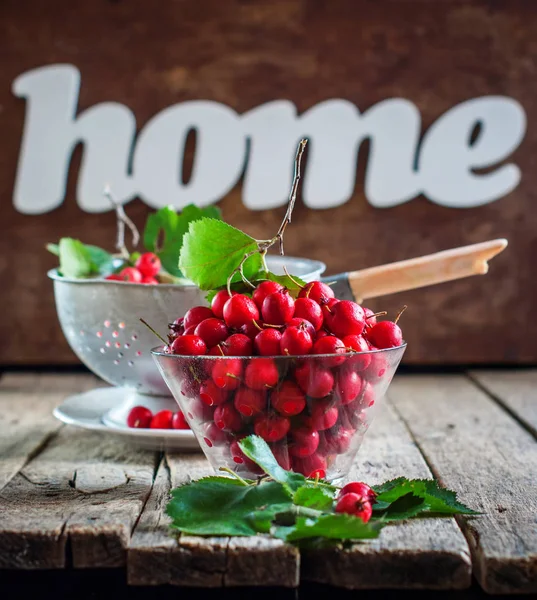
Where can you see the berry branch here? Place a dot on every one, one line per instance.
(264, 245)
(122, 220)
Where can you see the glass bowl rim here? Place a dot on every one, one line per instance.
(157, 352)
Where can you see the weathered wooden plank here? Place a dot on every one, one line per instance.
(516, 390)
(83, 488)
(425, 553)
(26, 421)
(196, 561)
(477, 449)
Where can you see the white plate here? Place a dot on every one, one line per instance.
(100, 410)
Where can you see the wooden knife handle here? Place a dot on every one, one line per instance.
(425, 270)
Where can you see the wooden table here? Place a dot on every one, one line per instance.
(71, 499)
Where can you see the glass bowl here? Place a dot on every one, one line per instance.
(313, 410)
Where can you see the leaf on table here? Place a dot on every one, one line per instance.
(331, 526)
(75, 259)
(262, 519)
(403, 508)
(222, 507)
(438, 499)
(212, 249)
(311, 495)
(259, 451)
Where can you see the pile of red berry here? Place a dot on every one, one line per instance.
(309, 408)
(145, 270)
(356, 498)
(141, 417)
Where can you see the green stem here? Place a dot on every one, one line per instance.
(233, 474)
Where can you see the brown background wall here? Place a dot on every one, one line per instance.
(149, 55)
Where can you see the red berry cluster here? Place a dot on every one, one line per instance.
(356, 499)
(141, 417)
(145, 270)
(307, 409)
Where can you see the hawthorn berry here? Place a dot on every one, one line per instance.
(131, 274)
(212, 331)
(330, 344)
(303, 324)
(237, 344)
(346, 318)
(250, 402)
(114, 277)
(271, 428)
(261, 374)
(190, 345)
(149, 281)
(357, 343)
(323, 415)
(310, 466)
(196, 315)
(264, 289)
(315, 381)
(385, 334)
(348, 385)
(359, 488)
(267, 342)
(162, 420)
(353, 504)
(296, 341)
(213, 435)
(218, 301)
(238, 310)
(336, 440)
(226, 373)
(317, 291)
(211, 394)
(139, 417)
(278, 308)
(370, 318)
(227, 418)
(288, 399)
(148, 264)
(179, 421)
(250, 329)
(305, 442)
(308, 309)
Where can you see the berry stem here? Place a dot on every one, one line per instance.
(400, 313)
(122, 220)
(378, 314)
(233, 474)
(155, 332)
(292, 279)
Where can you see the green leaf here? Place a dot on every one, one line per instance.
(75, 259)
(259, 451)
(53, 248)
(261, 520)
(405, 507)
(212, 249)
(335, 526)
(163, 224)
(313, 496)
(293, 284)
(222, 507)
(103, 262)
(438, 499)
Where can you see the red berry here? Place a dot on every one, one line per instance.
(226, 373)
(240, 458)
(267, 342)
(212, 331)
(308, 309)
(131, 274)
(321, 334)
(190, 330)
(278, 308)
(250, 329)
(213, 435)
(303, 324)
(346, 318)
(114, 277)
(237, 344)
(162, 420)
(281, 454)
(289, 399)
(190, 345)
(179, 421)
(217, 303)
(352, 504)
(261, 373)
(199, 411)
(336, 440)
(238, 310)
(378, 366)
(264, 289)
(139, 417)
(211, 394)
(196, 315)
(250, 402)
(316, 381)
(310, 466)
(370, 318)
(385, 334)
(271, 427)
(317, 291)
(305, 442)
(348, 385)
(330, 344)
(323, 415)
(359, 488)
(227, 418)
(357, 343)
(148, 264)
(150, 281)
(295, 341)
(367, 399)
(327, 310)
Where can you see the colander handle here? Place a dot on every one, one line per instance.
(416, 272)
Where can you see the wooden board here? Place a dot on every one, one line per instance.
(149, 56)
(429, 553)
(26, 421)
(477, 449)
(515, 390)
(75, 503)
